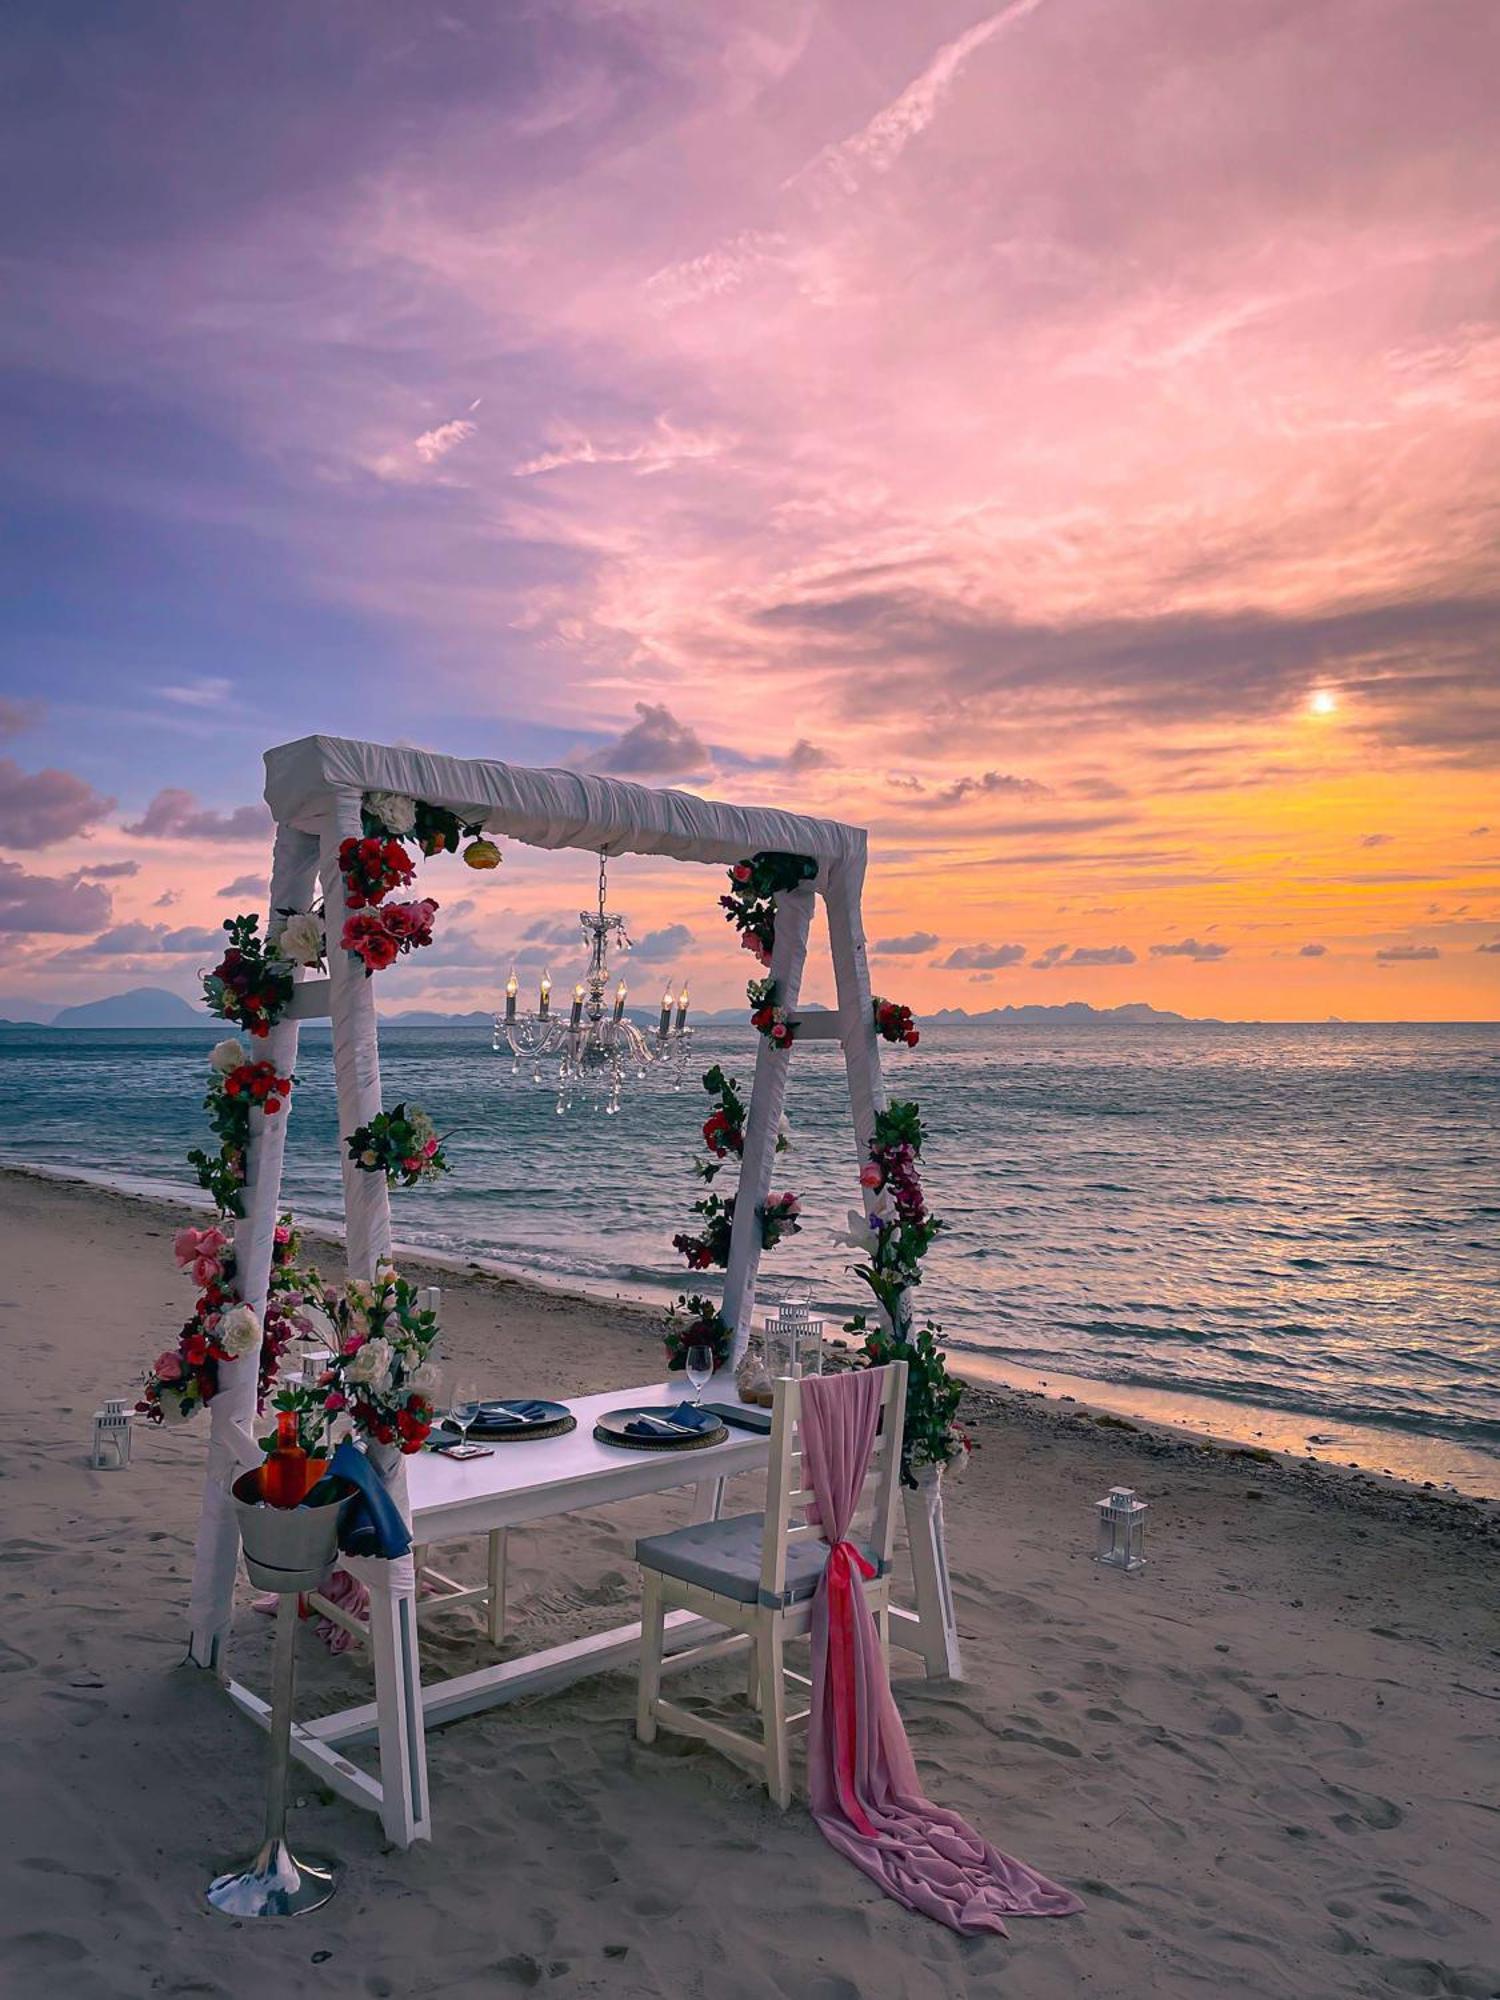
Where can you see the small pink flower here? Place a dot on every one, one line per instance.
(429, 1149)
(283, 1235)
(869, 1176)
(741, 871)
(169, 1367)
(336, 1401)
(353, 1344)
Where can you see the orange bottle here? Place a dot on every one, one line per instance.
(283, 1477)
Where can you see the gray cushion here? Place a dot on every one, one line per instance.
(724, 1556)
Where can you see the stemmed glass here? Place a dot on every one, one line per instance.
(463, 1406)
(700, 1370)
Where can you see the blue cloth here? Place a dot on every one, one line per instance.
(372, 1523)
(687, 1414)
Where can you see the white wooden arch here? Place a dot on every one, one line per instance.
(315, 788)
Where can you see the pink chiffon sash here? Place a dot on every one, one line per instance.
(865, 1792)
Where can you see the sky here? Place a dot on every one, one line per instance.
(1060, 437)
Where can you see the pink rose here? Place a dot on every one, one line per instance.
(169, 1368)
(429, 1149)
(207, 1271)
(353, 1343)
(870, 1176)
(740, 871)
(336, 1401)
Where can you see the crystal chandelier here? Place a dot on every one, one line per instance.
(596, 1051)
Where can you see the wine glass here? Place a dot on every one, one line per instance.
(463, 1405)
(700, 1369)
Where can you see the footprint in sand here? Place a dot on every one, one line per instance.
(1365, 1810)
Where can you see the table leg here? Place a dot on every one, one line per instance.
(708, 1500)
(398, 1697)
(496, 1605)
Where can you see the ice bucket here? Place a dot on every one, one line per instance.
(290, 1548)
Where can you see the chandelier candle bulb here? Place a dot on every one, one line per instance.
(546, 1007)
(1122, 1530)
(620, 1001)
(577, 1018)
(682, 1000)
(663, 1026)
(510, 997)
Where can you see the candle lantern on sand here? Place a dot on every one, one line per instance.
(1122, 1530)
(111, 1436)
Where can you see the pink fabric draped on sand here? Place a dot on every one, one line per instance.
(865, 1792)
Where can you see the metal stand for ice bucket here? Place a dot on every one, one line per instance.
(287, 1550)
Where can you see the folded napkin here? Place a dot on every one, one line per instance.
(686, 1414)
(372, 1524)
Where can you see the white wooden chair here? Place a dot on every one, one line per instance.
(756, 1575)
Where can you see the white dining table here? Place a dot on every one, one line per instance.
(449, 1500)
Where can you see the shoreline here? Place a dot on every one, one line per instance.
(1395, 1461)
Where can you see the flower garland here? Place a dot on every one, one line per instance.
(401, 1143)
(252, 984)
(380, 1371)
(754, 886)
(780, 1216)
(724, 1127)
(768, 1016)
(183, 1380)
(435, 829)
(697, 1322)
(371, 868)
(237, 1088)
(895, 1231)
(378, 937)
(895, 1022)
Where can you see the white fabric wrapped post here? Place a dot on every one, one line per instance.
(367, 1239)
(232, 1445)
(794, 910)
(933, 1631)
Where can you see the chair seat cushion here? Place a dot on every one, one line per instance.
(724, 1557)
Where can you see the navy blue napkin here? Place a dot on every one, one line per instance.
(687, 1414)
(372, 1524)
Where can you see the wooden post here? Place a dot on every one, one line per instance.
(232, 1412)
(937, 1630)
(794, 910)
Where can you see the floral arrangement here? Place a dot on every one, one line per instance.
(252, 984)
(182, 1380)
(697, 1322)
(754, 886)
(896, 1023)
(768, 1016)
(895, 1230)
(378, 937)
(401, 1143)
(780, 1216)
(238, 1087)
(434, 828)
(371, 868)
(380, 1372)
(724, 1127)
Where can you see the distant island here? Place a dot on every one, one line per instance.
(1132, 1013)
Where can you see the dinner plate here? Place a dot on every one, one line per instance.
(539, 1418)
(613, 1428)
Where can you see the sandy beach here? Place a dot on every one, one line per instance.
(1268, 1763)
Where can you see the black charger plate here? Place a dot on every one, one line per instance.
(611, 1429)
(557, 1422)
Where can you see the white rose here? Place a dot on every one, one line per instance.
(371, 1366)
(227, 1055)
(395, 811)
(424, 1378)
(302, 939)
(238, 1332)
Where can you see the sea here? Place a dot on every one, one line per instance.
(1285, 1235)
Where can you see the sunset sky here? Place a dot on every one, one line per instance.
(1060, 437)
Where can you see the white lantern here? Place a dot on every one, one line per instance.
(112, 1434)
(1122, 1530)
(794, 1339)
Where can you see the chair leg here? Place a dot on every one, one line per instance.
(883, 1627)
(648, 1685)
(773, 1708)
(752, 1673)
(495, 1609)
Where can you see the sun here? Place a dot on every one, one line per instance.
(1323, 701)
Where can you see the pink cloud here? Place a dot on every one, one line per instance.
(175, 814)
(40, 808)
(47, 904)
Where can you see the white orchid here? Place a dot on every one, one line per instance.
(227, 1055)
(884, 1207)
(302, 940)
(238, 1332)
(858, 1233)
(371, 1366)
(395, 811)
